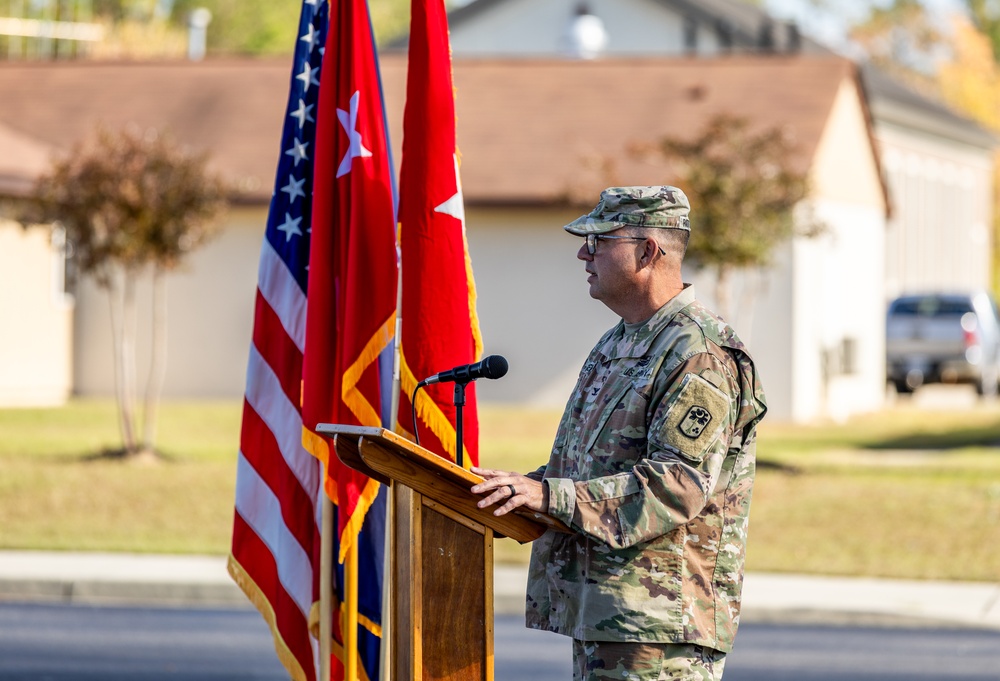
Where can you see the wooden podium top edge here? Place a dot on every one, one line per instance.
(440, 466)
(398, 441)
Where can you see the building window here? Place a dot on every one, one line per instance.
(690, 35)
(65, 271)
(724, 34)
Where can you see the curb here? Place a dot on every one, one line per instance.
(88, 592)
(138, 580)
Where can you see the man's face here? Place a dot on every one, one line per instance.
(612, 268)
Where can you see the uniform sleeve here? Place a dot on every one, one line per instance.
(538, 474)
(691, 426)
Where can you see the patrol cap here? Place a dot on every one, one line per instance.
(656, 207)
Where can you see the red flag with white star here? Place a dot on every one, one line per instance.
(326, 295)
(352, 264)
(351, 317)
(440, 329)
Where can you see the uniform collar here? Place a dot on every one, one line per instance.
(619, 344)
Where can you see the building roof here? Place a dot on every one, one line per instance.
(529, 131)
(231, 108)
(22, 158)
(894, 102)
(542, 131)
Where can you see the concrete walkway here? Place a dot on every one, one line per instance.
(137, 579)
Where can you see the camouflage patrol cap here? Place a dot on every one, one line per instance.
(655, 207)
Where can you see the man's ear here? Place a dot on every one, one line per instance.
(649, 250)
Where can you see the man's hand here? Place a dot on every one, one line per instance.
(510, 489)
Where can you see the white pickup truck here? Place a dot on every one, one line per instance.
(943, 338)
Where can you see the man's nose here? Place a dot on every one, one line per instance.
(583, 253)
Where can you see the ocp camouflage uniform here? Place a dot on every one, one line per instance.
(653, 466)
(606, 660)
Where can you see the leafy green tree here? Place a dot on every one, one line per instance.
(902, 39)
(986, 16)
(132, 202)
(246, 26)
(158, 28)
(269, 26)
(970, 82)
(970, 79)
(746, 184)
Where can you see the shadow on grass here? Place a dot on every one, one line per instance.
(955, 438)
(143, 457)
(778, 467)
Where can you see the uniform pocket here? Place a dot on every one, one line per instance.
(617, 437)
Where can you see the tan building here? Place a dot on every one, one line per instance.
(539, 140)
(36, 318)
(36, 310)
(56, 343)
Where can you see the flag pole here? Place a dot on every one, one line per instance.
(385, 649)
(325, 587)
(350, 629)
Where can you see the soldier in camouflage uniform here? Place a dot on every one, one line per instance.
(652, 466)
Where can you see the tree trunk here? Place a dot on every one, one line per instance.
(753, 286)
(128, 390)
(158, 362)
(722, 293)
(116, 299)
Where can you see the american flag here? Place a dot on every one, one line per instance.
(347, 230)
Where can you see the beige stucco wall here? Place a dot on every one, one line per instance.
(35, 319)
(534, 306)
(210, 316)
(845, 168)
(532, 301)
(839, 280)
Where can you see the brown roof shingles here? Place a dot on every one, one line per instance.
(230, 108)
(529, 131)
(553, 130)
(21, 160)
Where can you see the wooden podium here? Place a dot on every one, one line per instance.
(442, 555)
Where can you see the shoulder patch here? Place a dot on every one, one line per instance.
(695, 417)
(695, 421)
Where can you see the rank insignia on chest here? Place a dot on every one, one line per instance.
(694, 422)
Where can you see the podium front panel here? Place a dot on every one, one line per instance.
(444, 606)
(454, 606)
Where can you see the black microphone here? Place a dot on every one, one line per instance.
(493, 366)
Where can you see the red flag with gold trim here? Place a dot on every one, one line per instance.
(351, 316)
(352, 265)
(325, 309)
(440, 328)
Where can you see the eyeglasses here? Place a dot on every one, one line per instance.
(593, 238)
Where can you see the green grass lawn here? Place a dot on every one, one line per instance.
(905, 493)
(56, 492)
